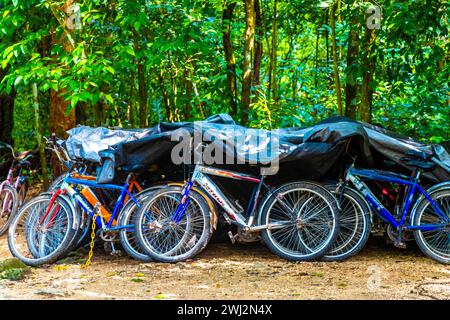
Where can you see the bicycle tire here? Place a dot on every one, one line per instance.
(301, 251)
(420, 236)
(189, 245)
(127, 216)
(355, 226)
(14, 206)
(30, 259)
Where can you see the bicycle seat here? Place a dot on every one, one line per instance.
(419, 154)
(417, 163)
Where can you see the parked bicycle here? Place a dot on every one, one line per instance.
(49, 226)
(424, 213)
(13, 189)
(298, 221)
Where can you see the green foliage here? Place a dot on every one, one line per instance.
(12, 274)
(179, 45)
(12, 269)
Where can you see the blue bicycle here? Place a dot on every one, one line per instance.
(426, 214)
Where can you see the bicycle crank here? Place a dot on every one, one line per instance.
(108, 236)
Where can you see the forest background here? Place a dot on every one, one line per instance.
(268, 63)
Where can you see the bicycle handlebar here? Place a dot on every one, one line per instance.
(55, 145)
(5, 145)
(15, 157)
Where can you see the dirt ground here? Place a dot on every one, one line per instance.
(225, 271)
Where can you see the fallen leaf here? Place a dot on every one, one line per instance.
(60, 268)
(165, 296)
(317, 274)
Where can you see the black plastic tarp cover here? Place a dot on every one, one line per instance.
(316, 148)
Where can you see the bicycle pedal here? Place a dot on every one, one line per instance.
(232, 237)
(400, 244)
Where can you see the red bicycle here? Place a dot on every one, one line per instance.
(13, 189)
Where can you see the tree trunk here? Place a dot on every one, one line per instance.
(143, 95)
(97, 112)
(227, 18)
(247, 68)
(6, 113)
(351, 85)
(369, 60)
(316, 62)
(188, 86)
(197, 96)
(258, 45)
(165, 95)
(274, 52)
(82, 113)
(61, 119)
(327, 42)
(337, 81)
(173, 111)
(131, 104)
(339, 19)
(38, 131)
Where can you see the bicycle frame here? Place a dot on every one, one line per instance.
(354, 174)
(9, 181)
(201, 177)
(13, 182)
(77, 177)
(89, 181)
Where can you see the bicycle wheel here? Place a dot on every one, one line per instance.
(80, 232)
(36, 239)
(128, 235)
(165, 240)
(433, 243)
(34, 219)
(354, 226)
(22, 193)
(8, 207)
(305, 221)
(56, 184)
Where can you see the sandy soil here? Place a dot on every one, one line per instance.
(224, 271)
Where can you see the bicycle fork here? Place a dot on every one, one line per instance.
(184, 203)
